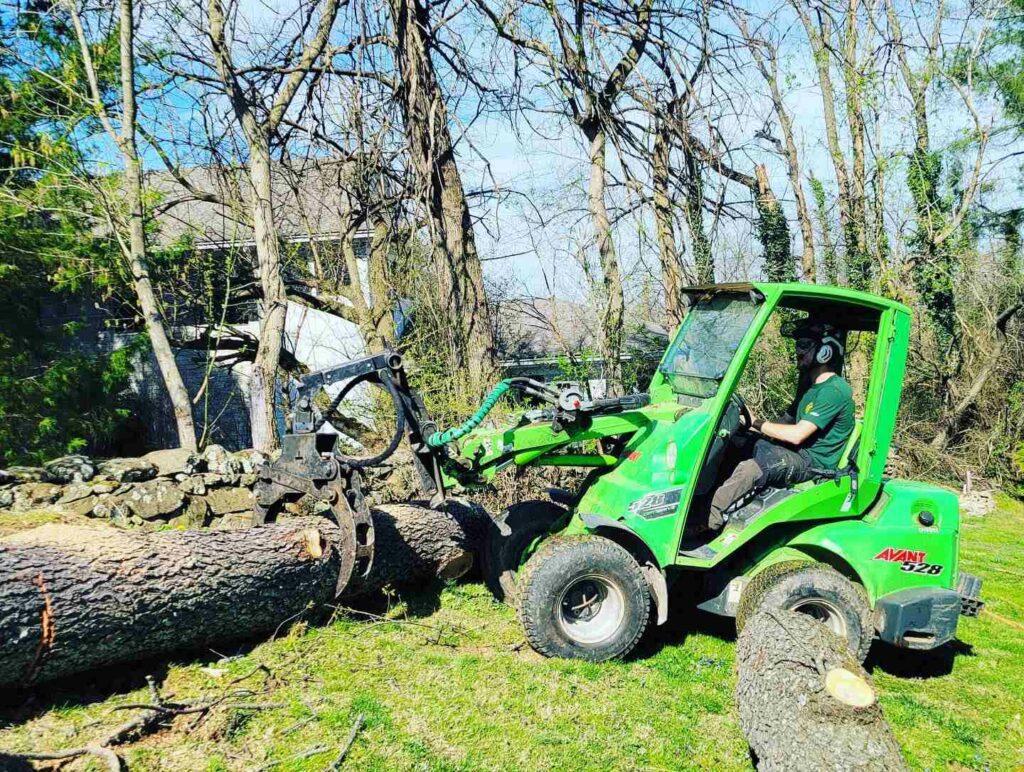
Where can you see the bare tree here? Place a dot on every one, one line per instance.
(259, 122)
(954, 415)
(671, 128)
(432, 155)
(858, 257)
(770, 224)
(933, 262)
(673, 276)
(765, 56)
(588, 91)
(134, 222)
(819, 27)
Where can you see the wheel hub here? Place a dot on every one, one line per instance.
(585, 601)
(590, 609)
(825, 612)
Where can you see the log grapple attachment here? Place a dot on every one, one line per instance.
(313, 467)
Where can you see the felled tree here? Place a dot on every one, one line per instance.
(804, 700)
(77, 598)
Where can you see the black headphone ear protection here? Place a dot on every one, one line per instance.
(827, 350)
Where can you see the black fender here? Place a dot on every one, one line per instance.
(626, 537)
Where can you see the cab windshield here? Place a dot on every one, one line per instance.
(707, 341)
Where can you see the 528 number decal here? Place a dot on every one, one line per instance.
(931, 569)
(911, 561)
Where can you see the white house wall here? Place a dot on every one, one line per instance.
(316, 339)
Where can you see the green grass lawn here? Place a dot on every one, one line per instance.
(446, 683)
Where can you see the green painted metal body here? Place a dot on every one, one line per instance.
(860, 533)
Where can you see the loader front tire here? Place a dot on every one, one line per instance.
(583, 597)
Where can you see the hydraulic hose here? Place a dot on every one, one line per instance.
(439, 439)
(386, 383)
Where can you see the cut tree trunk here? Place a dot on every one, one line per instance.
(804, 700)
(77, 598)
(413, 543)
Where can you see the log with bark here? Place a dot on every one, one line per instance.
(76, 598)
(804, 700)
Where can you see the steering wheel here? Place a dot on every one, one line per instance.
(737, 400)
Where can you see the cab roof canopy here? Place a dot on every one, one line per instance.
(843, 308)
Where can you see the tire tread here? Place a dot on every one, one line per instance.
(761, 586)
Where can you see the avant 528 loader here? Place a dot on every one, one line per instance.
(866, 555)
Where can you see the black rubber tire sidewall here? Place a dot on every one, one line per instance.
(561, 561)
(798, 582)
(501, 555)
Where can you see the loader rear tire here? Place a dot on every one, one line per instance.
(583, 597)
(815, 589)
(502, 556)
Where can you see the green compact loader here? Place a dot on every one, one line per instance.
(587, 569)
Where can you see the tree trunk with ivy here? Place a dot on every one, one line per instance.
(693, 211)
(772, 230)
(829, 258)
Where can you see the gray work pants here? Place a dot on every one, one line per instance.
(768, 464)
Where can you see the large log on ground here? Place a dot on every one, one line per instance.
(804, 700)
(415, 542)
(76, 598)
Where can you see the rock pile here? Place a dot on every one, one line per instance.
(175, 487)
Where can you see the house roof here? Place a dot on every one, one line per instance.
(310, 201)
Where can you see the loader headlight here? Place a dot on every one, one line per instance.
(671, 454)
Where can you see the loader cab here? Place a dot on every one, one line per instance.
(731, 350)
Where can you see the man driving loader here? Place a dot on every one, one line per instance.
(811, 435)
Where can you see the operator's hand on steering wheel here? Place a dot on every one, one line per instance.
(745, 418)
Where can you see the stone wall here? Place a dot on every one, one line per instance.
(166, 487)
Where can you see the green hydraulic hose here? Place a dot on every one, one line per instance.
(439, 439)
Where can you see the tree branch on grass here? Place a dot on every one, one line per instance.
(155, 715)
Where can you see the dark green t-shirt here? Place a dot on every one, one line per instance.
(829, 406)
